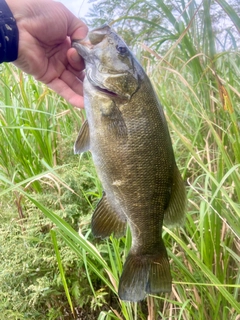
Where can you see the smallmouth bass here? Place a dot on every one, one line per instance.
(128, 137)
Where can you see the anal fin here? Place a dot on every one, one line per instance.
(106, 221)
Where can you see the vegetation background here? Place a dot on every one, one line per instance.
(50, 265)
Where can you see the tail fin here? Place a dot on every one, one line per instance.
(145, 274)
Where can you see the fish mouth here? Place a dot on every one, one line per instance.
(106, 91)
(83, 47)
(93, 37)
(99, 85)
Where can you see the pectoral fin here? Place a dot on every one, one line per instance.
(82, 143)
(106, 221)
(175, 212)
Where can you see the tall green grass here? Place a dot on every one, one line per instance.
(199, 88)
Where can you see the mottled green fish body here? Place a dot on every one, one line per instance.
(128, 137)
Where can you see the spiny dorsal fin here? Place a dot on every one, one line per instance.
(82, 143)
(106, 221)
(175, 212)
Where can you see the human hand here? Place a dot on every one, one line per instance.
(46, 29)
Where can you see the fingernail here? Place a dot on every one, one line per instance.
(75, 56)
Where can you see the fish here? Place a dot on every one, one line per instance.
(128, 137)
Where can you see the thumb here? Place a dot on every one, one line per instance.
(75, 59)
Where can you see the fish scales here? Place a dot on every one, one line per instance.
(128, 137)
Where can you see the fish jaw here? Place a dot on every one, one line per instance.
(97, 34)
(83, 48)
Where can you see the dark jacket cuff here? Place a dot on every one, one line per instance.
(8, 34)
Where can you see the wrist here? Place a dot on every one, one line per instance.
(12, 6)
(8, 34)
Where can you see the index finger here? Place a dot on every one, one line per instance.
(77, 29)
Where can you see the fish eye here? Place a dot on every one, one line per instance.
(121, 50)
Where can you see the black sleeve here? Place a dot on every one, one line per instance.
(8, 34)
